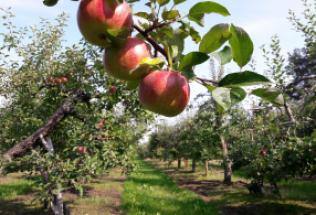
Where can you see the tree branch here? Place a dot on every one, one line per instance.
(207, 81)
(65, 109)
(152, 41)
(300, 79)
(157, 26)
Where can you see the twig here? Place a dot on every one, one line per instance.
(207, 81)
(152, 42)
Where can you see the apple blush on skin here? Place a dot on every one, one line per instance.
(164, 92)
(98, 17)
(123, 62)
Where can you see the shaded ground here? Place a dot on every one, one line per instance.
(102, 196)
(298, 197)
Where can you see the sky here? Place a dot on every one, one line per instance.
(260, 18)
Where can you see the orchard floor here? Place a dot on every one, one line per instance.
(155, 189)
(102, 196)
(298, 197)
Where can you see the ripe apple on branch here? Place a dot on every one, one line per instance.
(163, 84)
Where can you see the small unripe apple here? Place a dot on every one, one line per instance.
(164, 92)
(82, 150)
(98, 20)
(123, 63)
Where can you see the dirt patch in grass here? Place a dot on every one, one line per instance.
(206, 187)
(102, 196)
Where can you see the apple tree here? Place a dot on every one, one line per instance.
(63, 93)
(62, 117)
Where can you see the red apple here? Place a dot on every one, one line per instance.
(97, 18)
(112, 89)
(123, 62)
(164, 92)
(82, 150)
(263, 152)
(50, 80)
(63, 79)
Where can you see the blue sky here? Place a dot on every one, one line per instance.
(260, 18)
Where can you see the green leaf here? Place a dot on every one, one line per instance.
(143, 15)
(193, 59)
(237, 94)
(246, 78)
(215, 38)
(151, 61)
(131, 85)
(241, 44)
(221, 95)
(188, 73)
(195, 35)
(225, 55)
(50, 3)
(209, 87)
(198, 11)
(178, 1)
(163, 2)
(271, 95)
(170, 15)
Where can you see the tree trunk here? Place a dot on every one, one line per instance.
(179, 163)
(57, 204)
(226, 161)
(193, 165)
(186, 163)
(206, 167)
(256, 187)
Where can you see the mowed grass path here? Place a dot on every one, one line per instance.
(148, 191)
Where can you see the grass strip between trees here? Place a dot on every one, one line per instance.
(148, 191)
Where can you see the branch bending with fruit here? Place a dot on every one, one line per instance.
(162, 51)
(156, 46)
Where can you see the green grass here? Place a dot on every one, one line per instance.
(298, 197)
(13, 189)
(103, 196)
(148, 191)
(16, 195)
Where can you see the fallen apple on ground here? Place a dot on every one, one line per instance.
(82, 149)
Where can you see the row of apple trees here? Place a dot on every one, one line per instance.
(66, 119)
(44, 81)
